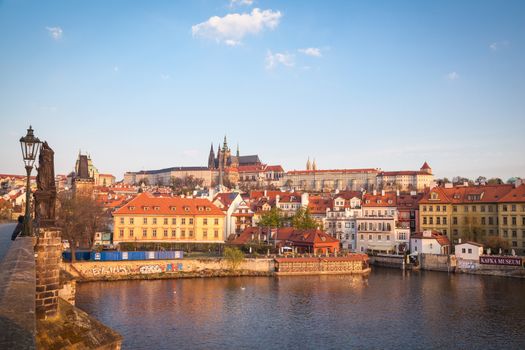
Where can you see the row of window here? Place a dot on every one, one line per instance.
(473, 208)
(473, 220)
(375, 226)
(514, 233)
(379, 237)
(340, 225)
(165, 221)
(156, 233)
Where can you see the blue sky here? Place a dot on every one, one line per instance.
(150, 84)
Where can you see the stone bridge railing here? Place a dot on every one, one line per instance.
(17, 296)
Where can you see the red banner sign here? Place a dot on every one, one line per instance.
(500, 260)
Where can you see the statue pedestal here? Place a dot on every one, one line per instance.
(48, 254)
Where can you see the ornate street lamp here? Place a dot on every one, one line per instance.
(30, 146)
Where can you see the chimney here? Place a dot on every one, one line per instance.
(382, 192)
(397, 193)
(465, 183)
(459, 240)
(374, 192)
(265, 193)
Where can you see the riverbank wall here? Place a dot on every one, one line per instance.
(159, 269)
(475, 268)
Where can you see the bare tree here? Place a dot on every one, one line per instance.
(79, 218)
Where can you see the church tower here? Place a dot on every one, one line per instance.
(308, 164)
(314, 165)
(211, 158)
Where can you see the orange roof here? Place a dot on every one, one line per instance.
(342, 171)
(286, 197)
(438, 236)
(146, 204)
(403, 172)
(467, 194)
(277, 168)
(425, 166)
(251, 168)
(378, 200)
(318, 204)
(517, 194)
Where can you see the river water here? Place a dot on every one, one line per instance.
(388, 310)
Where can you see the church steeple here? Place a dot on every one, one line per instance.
(225, 145)
(314, 165)
(238, 150)
(211, 158)
(308, 164)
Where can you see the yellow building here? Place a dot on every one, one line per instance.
(475, 212)
(168, 219)
(511, 217)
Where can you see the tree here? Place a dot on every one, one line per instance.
(495, 243)
(79, 217)
(183, 185)
(302, 220)
(234, 257)
(481, 179)
(495, 181)
(272, 218)
(459, 180)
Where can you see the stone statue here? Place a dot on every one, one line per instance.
(45, 195)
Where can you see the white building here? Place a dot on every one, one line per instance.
(340, 221)
(429, 242)
(469, 251)
(228, 203)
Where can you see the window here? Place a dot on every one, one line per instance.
(205, 221)
(505, 233)
(165, 221)
(131, 221)
(154, 221)
(430, 245)
(444, 220)
(463, 250)
(144, 232)
(430, 208)
(514, 243)
(513, 207)
(482, 208)
(438, 221)
(216, 233)
(465, 209)
(173, 233)
(504, 207)
(444, 208)
(388, 237)
(347, 224)
(424, 220)
(431, 220)
(491, 220)
(514, 234)
(131, 233)
(145, 221)
(165, 233)
(174, 221)
(378, 237)
(154, 232)
(505, 220)
(191, 221)
(216, 221)
(183, 221)
(362, 237)
(122, 220)
(183, 233)
(473, 208)
(483, 221)
(455, 232)
(204, 233)
(470, 250)
(190, 233)
(438, 208)
(121, 233)
(513, 221)
(369, 237)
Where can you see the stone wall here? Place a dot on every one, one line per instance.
(436, 262)
(96, 270)
(17, 296)
(388, 261)
(48, 255)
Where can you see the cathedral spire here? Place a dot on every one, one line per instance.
(308, 164)
(237, 150)
(211, 158)
(314, 165)
(225, 146)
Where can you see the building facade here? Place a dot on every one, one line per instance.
(168, 219)
(407, 180)
(330, 180)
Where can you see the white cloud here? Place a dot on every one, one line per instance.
(311, 51)
(55, 32)
(233, 27)
(452, 76)
(498, 45)
(234, 3)
(272, 60)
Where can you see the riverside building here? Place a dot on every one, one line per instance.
(168, 219)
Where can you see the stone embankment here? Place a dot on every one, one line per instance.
(162, 269)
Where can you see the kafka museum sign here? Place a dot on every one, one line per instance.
(500, 260)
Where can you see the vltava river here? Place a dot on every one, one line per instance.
(388, 310)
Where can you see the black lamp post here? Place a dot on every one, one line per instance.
(30, 146)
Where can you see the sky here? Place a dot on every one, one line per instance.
(354, 84)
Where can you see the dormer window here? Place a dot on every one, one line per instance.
(389, 201)
(173, 208)
(456, 195)
(434, 195)
(156, 208)
(131, 208)
(201, 208)
(186, 208)
(146, 208)
(379, 201)
(208, 209)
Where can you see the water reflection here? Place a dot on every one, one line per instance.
(388, 309)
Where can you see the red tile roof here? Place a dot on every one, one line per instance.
(276, 168)
(403, 173)
(378, 200)
(168, 206)
(516, 195)
(438, 236)
(467, 194)
(319, 204)
(425, 166)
